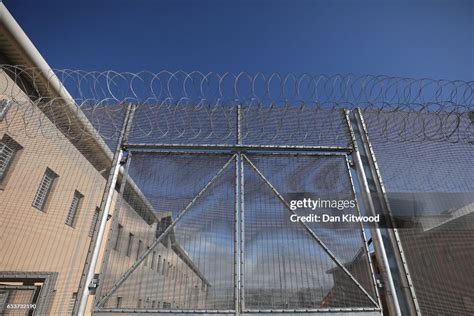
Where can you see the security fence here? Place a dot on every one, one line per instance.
(172, 193)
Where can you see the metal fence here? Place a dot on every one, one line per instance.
(170, 192)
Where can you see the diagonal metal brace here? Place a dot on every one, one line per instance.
(310, 231)
(158, 240)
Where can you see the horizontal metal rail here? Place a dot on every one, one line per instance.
(288, 153)
(236, 147)
(315, 310)
(252, 311)
(163, 311)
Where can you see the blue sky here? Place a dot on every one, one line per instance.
(403, 38)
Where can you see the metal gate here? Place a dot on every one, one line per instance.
(192, 213)
(220, 237)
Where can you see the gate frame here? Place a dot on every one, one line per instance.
(237, 152)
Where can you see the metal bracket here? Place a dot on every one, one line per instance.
(94, 284)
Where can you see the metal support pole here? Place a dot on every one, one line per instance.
(115, 222)
(380, 253)
(237, 193)
(403, 282)
(363, 234)
(105, 207)
(239, 236)
(242, 235)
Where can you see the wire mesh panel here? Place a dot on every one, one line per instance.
(185, 253)
(430, 189)
(293, 125)
(286, 267)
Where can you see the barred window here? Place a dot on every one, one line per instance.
(44, 189)
(73, 209)
(95, 217)
(119, 235)
(4, 106)
(146, 258)
(153, 258)
(8, 149)
(158, 266)
(139, 249)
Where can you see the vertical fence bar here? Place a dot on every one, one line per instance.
(115, 222)
(380, 253)
(392, 239)
(111, 234)
(105, 207)
(364, 236)
(236, 236)
(238, 282)
(242, 232)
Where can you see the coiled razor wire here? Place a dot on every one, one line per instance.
(196, 105)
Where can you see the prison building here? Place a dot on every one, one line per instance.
(53, 171)
(440, 255)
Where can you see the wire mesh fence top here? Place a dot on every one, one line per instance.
(203, 106)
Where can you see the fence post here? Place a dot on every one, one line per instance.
(404, 285)
(393, 271)
(380, 253)
(105, 205)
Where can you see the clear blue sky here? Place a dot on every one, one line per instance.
(401, 38)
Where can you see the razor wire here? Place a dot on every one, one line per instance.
(202, 106)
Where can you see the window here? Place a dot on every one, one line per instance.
(139, 303)
(153, 257)
(95, 217)
(163, 267)
(8, 150)
(44, 189)
(72, 213)
(119, 235)
(4, 106)
(130, 244)
(119, 302)
(146, 258)
(153, 304)
(158, 266)
(139, 249)
(166, 305)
